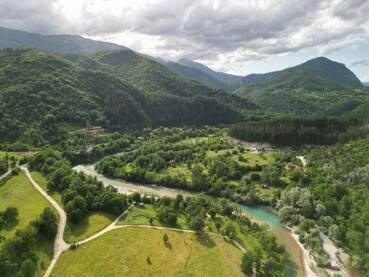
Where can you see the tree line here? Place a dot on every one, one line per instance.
(299, 130)
(265, 256)
(19, 254)
(81, 194)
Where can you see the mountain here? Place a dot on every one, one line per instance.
(196, 74)
(53, 43)
(74, 44)
(41, 92)
(299, 92)
(321, 67)
(366, 84)
(232, 81)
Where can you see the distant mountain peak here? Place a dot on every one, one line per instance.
(322, 67)
(63, 43)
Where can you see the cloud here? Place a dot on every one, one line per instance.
(207, 30)
(360, 63)
(39, 16)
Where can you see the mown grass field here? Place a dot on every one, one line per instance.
(135, 251)
(18, 192)
(90, 225)
(141, 216)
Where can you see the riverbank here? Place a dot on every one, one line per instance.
(302, 263)
(308, 260)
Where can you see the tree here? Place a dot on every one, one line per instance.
(47, 223)
(199, 179)
(28, 268)
(230, 230)
(334, 231)
(166, 215)
(165, 238)
(197, 223)
(76, 209)
(248, 263)
(11, 214)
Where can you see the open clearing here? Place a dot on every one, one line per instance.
(19, 192)
(141, 216)
(135, 251)
(91, 224)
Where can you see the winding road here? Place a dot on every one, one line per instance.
(5, 174)
(60, 245)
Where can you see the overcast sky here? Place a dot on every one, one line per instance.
(235, 36)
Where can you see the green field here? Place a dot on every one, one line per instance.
(90, 225)
(137, 251)
(19, 192)
(10, 154)
(140, 216)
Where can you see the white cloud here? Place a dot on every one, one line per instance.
(220, 32)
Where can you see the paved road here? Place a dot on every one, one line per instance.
(60, 245)
(6, 174)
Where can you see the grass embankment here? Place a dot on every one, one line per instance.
(18, 192)
(90, 225)
(134, 251)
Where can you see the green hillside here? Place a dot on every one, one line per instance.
(196, 74)
(300, 92)
(221, 76)
(40, 92)
(320, 67)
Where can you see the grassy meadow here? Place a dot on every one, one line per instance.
(134, 251)
(18, 192)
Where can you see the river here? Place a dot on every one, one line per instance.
(296, 265)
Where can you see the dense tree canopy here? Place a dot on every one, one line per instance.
(80, 193)
(299, 130)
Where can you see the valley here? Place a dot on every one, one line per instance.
(117, 163)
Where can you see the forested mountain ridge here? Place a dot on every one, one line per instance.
(76, 44)
(53, 43)
(153, 78)
(39, 92)
(196, 74)
(300, 92)
(232, 82)
(321, 67)
(224, 77)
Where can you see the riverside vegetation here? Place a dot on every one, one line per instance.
(160, 128)
(81, 195)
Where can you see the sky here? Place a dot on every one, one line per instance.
(234, 36)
